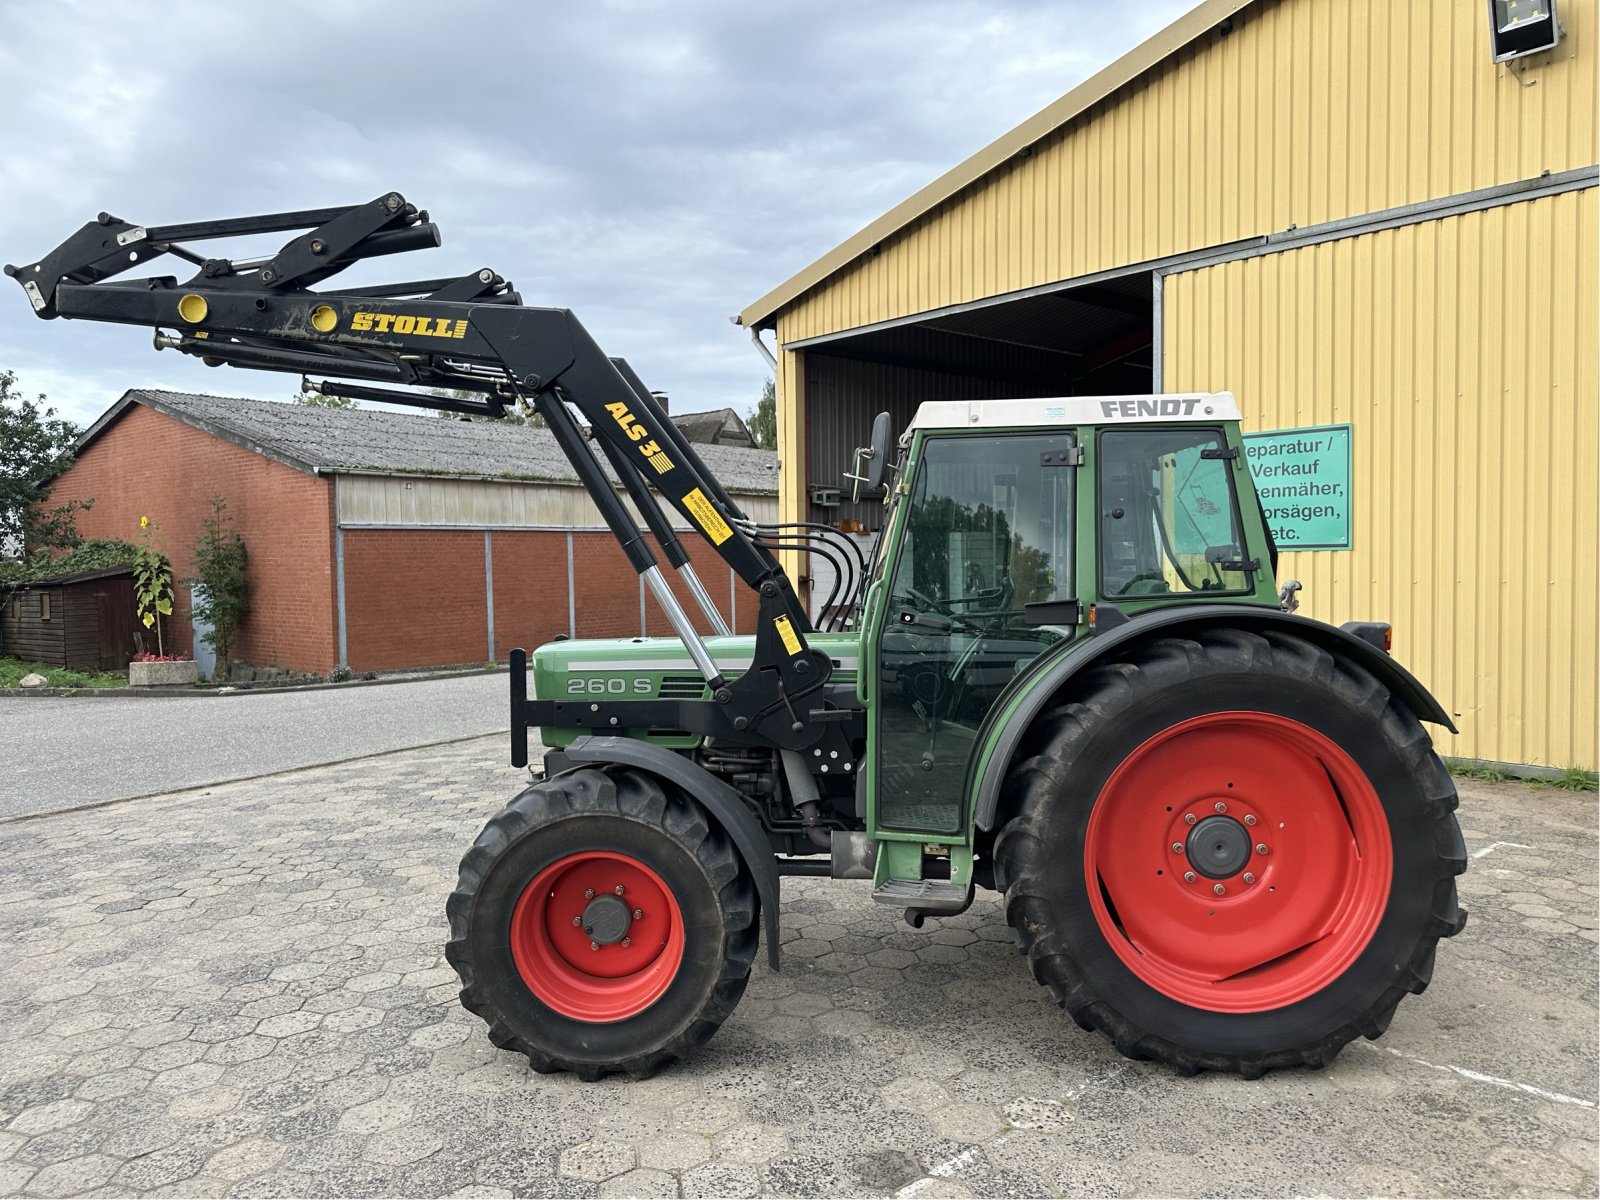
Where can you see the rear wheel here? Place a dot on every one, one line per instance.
(1234, 853)
(601, 924)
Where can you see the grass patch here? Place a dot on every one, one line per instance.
(1487, 772)
(13, 669)
(1570, 779)
(1573, 779)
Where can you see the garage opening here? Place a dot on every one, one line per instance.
(1092, 339)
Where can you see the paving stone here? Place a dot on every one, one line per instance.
(42, 1118)
(737, 1181)
(74, 1177)
(597, 1161)
(317, 1028)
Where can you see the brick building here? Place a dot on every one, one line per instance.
(383, 540)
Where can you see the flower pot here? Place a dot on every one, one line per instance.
(163, 674)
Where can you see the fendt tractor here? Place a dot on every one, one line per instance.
(1065, 673)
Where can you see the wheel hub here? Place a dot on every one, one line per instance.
(1218, 847)
(606, 919)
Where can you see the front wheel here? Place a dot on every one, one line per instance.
(1233, 853)
(601, 924)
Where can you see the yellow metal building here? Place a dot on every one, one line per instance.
(1345, 212)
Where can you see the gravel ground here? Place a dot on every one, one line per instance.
(241, 991)
(63, 752)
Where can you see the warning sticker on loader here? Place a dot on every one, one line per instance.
(707, 517)
(791, 641)
(1303, 478)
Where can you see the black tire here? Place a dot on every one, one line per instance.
(612, 811)
(1063, 771)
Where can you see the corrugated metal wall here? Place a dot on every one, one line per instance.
(843, 396)
(1463, 351)
(484, 504)
(1308, 111)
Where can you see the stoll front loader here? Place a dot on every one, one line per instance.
(1222, 835)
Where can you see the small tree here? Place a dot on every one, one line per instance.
(318, 400)
(763, 423)
(152, 583)
(219, 570)
(35, 446)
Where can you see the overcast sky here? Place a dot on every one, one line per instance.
(653, 166)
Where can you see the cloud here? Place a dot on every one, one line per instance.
(653, 167)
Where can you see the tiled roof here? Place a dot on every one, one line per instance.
(331, 440)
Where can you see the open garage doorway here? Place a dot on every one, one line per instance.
(1094, 338)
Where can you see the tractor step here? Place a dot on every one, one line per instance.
(929, 895)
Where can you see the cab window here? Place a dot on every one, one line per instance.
(1169, 519)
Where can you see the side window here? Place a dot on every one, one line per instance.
(44, 606)
(1169, 519)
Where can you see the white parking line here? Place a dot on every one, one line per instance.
(940, 1171)
(1496, 845)
(1495, 1080)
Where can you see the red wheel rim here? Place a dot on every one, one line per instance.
(1255, 934)
(572, 972)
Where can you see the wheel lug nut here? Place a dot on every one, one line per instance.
(1249, 876)
(1220, 890)
(1188, 876)
(594, 945)
(627, 941)
(1189, 818)
(1220, 806)
(638, 914)
(1261, 847)
(1177, 847)
(1249, 818)
(588, 893)
(618, 889)
(577, 920)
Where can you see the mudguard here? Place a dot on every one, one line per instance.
(1056, 667)
(719, 799)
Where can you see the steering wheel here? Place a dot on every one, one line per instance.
(926, 602)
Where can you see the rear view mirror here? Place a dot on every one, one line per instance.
(876, 458)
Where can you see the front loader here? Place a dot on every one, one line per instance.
(1066, 674)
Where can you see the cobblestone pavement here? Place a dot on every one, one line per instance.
(240, 990)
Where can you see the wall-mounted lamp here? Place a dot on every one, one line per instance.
(1519, 27)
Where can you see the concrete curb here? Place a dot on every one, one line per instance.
(253, 689)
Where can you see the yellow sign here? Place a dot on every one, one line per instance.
(709, 519)
(439, 327)
(791, 641)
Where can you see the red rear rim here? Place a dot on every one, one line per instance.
(1238, 861)
(597, 936)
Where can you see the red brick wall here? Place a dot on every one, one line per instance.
(151, 464)
(530, 589)
(607, 588)
(414, 597)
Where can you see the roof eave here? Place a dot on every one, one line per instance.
(1091, 91)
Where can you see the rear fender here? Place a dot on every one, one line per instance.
(1054, 671)
(724, 804)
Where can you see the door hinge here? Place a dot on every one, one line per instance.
(1072, 456)
(1218, 452)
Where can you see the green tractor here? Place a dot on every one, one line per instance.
(1065, 674)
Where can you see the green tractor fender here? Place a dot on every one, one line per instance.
(720, 800)
(1033, 691)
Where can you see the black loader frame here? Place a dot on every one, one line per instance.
(468, 334)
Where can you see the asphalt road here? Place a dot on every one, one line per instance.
(63, 752)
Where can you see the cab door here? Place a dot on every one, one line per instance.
(987, 531)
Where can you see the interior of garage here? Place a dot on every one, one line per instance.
(1094, 339)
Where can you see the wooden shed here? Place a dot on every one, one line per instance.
(84, 622)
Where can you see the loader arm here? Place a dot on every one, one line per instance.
(470, 334)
